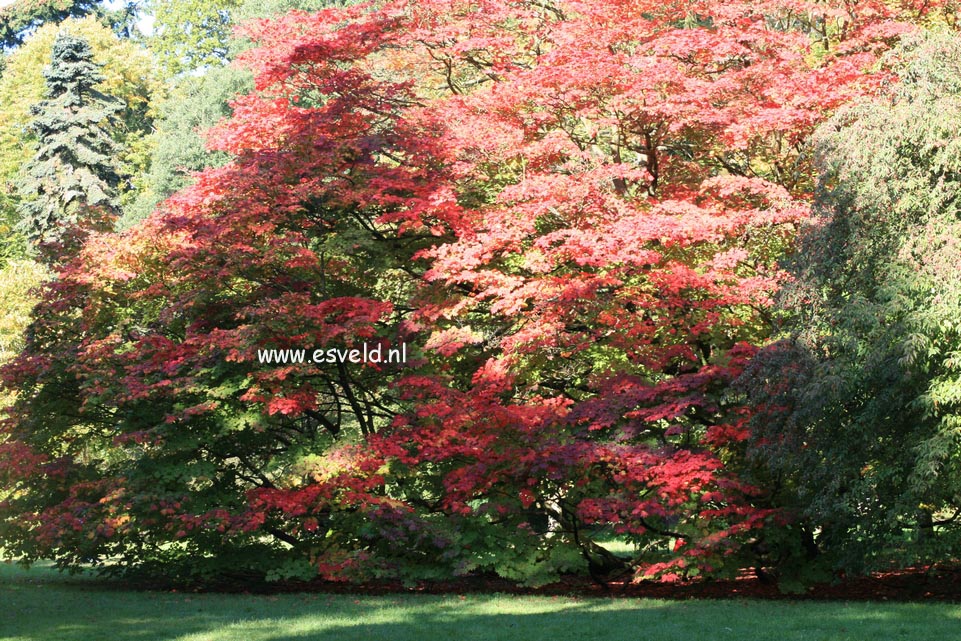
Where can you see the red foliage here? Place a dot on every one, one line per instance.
(575, 208)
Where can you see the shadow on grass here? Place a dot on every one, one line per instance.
(42, 607)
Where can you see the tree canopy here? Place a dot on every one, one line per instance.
(189, 34)
(19, 18)
(863, 397)
(572, 218)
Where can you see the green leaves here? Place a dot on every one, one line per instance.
(191, 34)
(869, 428)
(19, 18)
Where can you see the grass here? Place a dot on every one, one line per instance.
(40, 605)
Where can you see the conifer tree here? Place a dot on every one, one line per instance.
(70, 185)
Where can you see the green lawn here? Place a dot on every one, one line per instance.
(40, 605)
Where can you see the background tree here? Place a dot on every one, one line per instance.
(19, 18)
(17, 282)
(71, 183)
(191, 34)
(129, 75)
(178, 149)
(859, 434)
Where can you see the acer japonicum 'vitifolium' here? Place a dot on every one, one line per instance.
(69, 186)
(570, 211)
(858, 408)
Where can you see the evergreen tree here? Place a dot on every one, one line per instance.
(71, 183)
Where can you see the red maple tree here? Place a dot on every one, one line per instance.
(571, 211)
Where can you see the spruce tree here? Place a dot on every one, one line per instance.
(70, 185)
